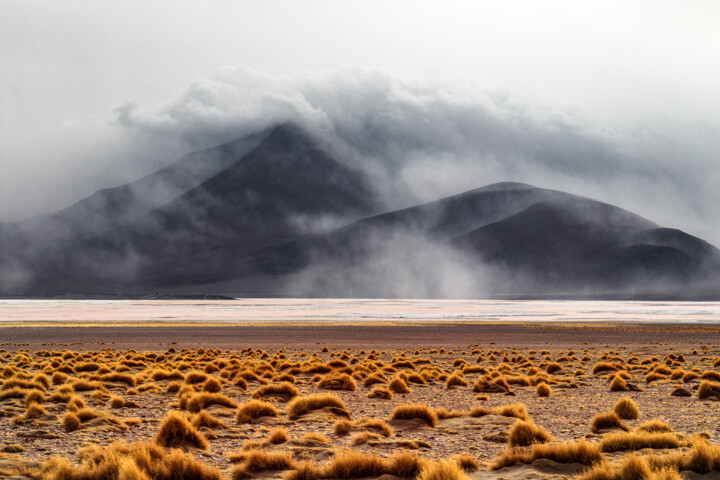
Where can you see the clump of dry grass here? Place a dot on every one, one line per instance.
(361, 438)
(398, 385)
(201, 400)
(615, 442)
(139, 461)
(70, 422)
(626, 409)
(278, 436)
(553, 367)
(618, 384)
(116, 402)
(34, 410)
(177, 431)
(703, 457)
(260, 461)
(654, 376)
(456, 380)
(607, 367)
(342, 427)
(335, 381)
(354, 464)
(302, 405)
(212, 385)
(606, 421)
(516, 410)
(708, 389)
(524, 433)
(376, 425)
(467, 462)
(570, 452)
(442, 470)
(543, 389)
(204, 419)
(374, 378)
(632, 468)
(654, 426)
(380, 392)
(284, 391)
(254, 409)
(411, 411)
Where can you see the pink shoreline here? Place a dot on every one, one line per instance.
(353, 310)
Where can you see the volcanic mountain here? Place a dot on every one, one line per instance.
(274, 214)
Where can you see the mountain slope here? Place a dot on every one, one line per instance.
(511, 239)
(274, 214)
(285, 186)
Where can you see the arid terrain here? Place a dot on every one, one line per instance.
(361, 401)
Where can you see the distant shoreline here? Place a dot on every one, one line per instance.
(387, 337)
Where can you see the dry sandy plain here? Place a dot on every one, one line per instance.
(92, 396)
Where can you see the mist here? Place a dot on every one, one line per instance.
(419, 138)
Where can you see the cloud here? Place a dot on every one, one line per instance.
(438, 134)
(420, 138)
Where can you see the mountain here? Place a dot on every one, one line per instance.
(117, 239)
(514, 239)
(275, 214)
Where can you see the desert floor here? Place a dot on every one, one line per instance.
(68, 393)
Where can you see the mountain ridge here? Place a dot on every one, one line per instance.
(274, 214)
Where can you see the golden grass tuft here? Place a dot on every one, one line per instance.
(70, 422)
(304, 404)
(201, 400)
(654, 426)
(261, 461)
(467, 462)
(703, 457)
(254, 409)
(456, 380)
(398, 385)
(354, 464)
(708, 389)
(633, 467)
(524, 433)
(204, 419)
(606, 421)
(278, 436)
(334, 381)
(543, 389)
(615, 442)
(139, 461)
(626, 409)
(283, 390)
(380, 392)
(569, 452)
(177, 431)
(618, 384)
(212, 385)
(415, 410)
(442, 470)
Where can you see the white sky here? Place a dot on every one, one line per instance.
(65, 64)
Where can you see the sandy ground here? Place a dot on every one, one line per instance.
(385, 337)
(566, 414)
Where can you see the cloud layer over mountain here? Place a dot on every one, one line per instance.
(419, 139)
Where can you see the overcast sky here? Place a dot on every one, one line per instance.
(65, 67)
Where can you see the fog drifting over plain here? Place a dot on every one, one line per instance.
(615, 103)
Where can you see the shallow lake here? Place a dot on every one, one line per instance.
(351, 310)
